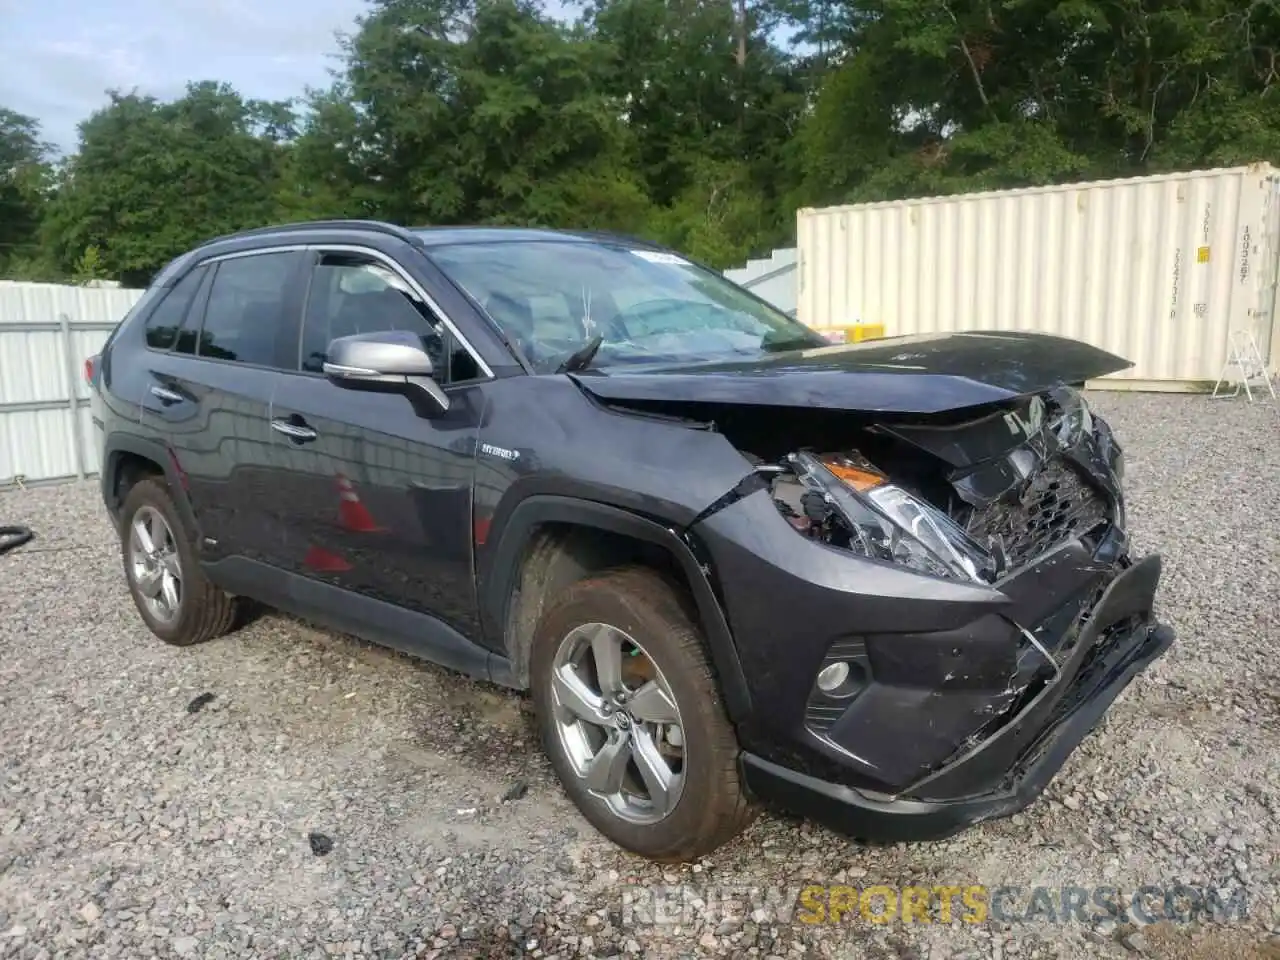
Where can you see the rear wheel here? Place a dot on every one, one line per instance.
(177, 602)
(631, 718)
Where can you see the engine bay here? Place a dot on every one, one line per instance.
(985, 496)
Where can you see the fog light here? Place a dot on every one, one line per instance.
(832, 677)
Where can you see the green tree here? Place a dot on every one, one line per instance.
(702, 123)
(153, 179)
(452, 112)
(693, 84)
(938, 96)
(25, 178)
(328, 169)
(89, 267)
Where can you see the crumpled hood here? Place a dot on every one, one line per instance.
(919, 374)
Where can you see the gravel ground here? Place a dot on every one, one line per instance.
(131, 826)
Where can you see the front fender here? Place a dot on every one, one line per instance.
(497, 582)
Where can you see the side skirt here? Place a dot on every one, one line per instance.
(377, 621)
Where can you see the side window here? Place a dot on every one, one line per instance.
(352, 293)
(168, 316)
(189, 335)
(246, 307)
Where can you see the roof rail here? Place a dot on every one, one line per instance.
(614, 235)
(375, 226)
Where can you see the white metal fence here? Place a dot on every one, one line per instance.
(46, 332)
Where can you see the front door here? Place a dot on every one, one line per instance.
(210, 388)
(377, 499)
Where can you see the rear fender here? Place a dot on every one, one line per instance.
(118, 447)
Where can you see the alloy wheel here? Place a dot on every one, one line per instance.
(618, 722)
(157, 569)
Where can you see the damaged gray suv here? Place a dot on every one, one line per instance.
(887, 585)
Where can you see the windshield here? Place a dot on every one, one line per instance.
(552, 297)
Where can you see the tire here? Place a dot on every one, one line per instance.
(203, 611)
(710, 806)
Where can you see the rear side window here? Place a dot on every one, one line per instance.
(168, 316)
(246, 307)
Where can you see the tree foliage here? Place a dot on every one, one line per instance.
(24, 188)
(151, 179)
(700, 123)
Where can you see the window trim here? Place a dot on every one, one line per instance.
(196, 313)
(186, 314)
(256, 252)
(214, 263)
(486, 372)
(201, 300)
(210, 263)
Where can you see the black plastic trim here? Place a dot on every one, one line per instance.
(893, 820)
(408, 631)
(497, 589)
(366, 226)
(157, 453)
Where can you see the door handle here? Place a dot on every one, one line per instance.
(294, 431)
(165, 394)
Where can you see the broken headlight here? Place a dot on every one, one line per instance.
(1074, 420)
(848, 503)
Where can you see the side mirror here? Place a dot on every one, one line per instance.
(389, 361)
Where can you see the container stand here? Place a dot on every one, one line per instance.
(1244, 355)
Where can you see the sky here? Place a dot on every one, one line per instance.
(59, 57)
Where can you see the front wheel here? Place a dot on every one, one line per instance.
(632, 720)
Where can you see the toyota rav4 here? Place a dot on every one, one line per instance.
(886, 585)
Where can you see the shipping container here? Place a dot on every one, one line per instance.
(771, 278)
(1159, 270)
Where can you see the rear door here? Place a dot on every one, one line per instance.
(378, 498)
(209, 395)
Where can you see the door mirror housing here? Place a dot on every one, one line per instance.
(389, 361)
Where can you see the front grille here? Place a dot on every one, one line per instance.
(1057, 506)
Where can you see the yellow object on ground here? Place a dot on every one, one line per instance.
(853, 332)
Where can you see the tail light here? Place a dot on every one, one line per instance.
(90, 368)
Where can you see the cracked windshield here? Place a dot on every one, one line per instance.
(552, 299)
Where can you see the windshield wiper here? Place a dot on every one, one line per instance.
(794, 343)
(581, 358)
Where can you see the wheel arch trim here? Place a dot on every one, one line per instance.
(120, 444)
(522, 525)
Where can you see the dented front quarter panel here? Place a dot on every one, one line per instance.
(947, 658)
(789, 599)
(945, 655)
(951, 662)
(540, 436)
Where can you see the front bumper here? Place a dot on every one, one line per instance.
(961, 700)
(1010, 768)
